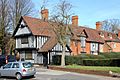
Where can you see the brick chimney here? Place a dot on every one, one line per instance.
(119, 34)
(44, 14)
(98, 25)
(75, 21)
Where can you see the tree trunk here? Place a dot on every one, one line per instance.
(63, 56)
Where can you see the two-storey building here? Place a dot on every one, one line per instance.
(36, 40)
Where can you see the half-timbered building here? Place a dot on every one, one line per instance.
(36, 40)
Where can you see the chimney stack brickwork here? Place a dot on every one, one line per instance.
(75, 21)
(119, 34)
(98, 25)
(45, 14)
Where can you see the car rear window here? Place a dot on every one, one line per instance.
(27, 65)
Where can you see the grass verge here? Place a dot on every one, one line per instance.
(96, 68)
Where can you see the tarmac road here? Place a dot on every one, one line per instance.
(46, 74)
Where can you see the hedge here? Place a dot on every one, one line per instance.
(69, 60)
(111, 55)
(101, 62)
(88, 60)
(56, 59)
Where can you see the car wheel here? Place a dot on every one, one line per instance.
(0, 74)
(33, 76)
(18, 76)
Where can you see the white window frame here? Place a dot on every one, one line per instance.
(83, 42)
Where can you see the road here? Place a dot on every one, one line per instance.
(46, 74)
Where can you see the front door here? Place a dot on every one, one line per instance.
(45, 59)
(40, 58)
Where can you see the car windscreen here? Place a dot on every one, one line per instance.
(27, 65)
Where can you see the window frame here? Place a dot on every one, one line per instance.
(17, 64)
(24, 40)
(28, 53)
(83, 41)
(7, 66)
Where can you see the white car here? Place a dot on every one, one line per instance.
(18, 69)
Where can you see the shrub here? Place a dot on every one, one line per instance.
(115, 62)
(89, 56)
(69, 60)
(111, 55)
(103, 59)
(101, 62)
(96, 62)
(56, 59)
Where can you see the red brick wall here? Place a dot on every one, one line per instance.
(76, 49)
(87, 47)
(117, 47)
(106, 48)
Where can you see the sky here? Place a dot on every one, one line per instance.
(88, 11)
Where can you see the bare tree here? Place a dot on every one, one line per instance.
(62, 25)
(4, 22)
(20, 8)
(43, 4)
(111, 25)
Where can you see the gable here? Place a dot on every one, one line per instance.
(22, 29)
(83, 34)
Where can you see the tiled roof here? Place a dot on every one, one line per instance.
(48, 45)
(38, 26)
(42, 28)
(108, 36)
(92, 34)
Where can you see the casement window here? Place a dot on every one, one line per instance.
(24, 40)
(94, 48)
(101, 34)
(28, 55)
(83, 42)
(110, 35)
(114, 45)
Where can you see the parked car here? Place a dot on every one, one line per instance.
(9, 58)
(18, 69)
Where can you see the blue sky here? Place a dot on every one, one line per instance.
(89, 11)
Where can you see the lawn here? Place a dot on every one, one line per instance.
(97, 68)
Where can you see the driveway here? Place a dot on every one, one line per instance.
(46, 74)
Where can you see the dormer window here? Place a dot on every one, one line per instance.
(109, 35)
(101, 34)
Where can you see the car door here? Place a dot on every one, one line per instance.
(6, 69)
(14, 69)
